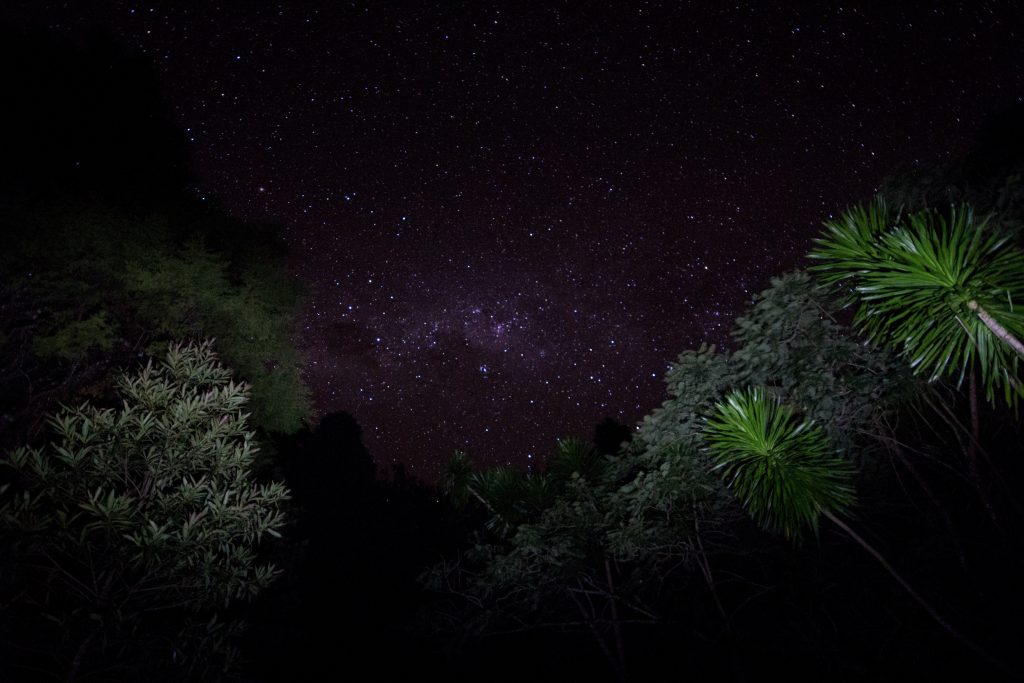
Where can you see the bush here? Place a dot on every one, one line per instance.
(132, 527)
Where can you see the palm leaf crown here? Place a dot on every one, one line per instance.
(926, 283)
(780, 467)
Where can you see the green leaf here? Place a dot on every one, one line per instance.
(921, 281)
(779, 467)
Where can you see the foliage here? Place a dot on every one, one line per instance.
(575, 457)
(781, 468)
(507, 494)
(73, 339)
(131, 516)
(790, 342)
(694, 381)
(455, 477)
(192, 292)
(925, 283)
(91, 288)
(591, 537)
(107, 252)
(624, 529)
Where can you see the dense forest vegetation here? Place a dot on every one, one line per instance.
(835, 494)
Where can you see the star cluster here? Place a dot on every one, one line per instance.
(511, 221)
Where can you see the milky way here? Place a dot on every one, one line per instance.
(509, 222)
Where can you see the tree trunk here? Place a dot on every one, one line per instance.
(705, 567)
(947, 520)
(996, 328)
(620, 645)
(972, 451)
(589, 616)
(76, 662)
(972, 446)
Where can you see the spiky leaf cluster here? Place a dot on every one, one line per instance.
(780, 467)
(791, 342)
(924, 283)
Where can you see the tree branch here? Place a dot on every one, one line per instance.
(996, 328)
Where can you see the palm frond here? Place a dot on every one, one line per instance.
(510, 496)
(503, 490)
(456, 477)
(924, 282)
(850, 241)
(780, 467)
(539, 492)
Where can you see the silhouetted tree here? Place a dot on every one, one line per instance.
(999, 150)
(989, 177)
(610, 435)
(349, 592)
(337, 462)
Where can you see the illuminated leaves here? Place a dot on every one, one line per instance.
(781, 467)
(151, 506)
(925, 284)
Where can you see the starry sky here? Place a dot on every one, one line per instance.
(511, 217)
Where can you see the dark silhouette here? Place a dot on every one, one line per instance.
(610, 434)
(332, 464)
(94, 209)
(349, 593)
(85, 119)
(988, 176)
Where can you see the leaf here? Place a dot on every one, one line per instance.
(920, 282)
(779, 467)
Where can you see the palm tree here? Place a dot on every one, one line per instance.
(510, 496)
(945, 291)
(456, 477)
(785, 474)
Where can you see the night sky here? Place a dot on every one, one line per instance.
(509, 219)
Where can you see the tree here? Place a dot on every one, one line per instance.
(943, 290)
(786, 475)
(133, 526)
(108, 255)
(990, 177)
(790, 341)
(631, 528)
(587, 544)
(610, 435)
(90, 289)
